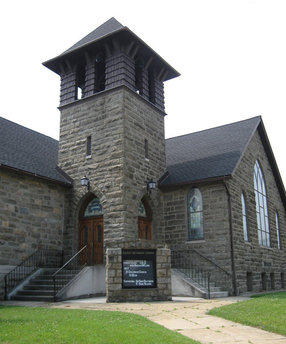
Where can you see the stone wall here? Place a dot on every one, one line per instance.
(31, 217)
(250, 257)
(114, 290)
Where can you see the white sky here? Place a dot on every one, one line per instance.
(231, 55)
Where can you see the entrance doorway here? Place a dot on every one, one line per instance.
(91, 232)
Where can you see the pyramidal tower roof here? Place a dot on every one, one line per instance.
(107, 36)
(109, 27)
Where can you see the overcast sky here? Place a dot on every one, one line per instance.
(231, 56)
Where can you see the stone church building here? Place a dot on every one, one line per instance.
(113, 208)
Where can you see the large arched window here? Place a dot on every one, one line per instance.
(244, 218)
(261, 206)
(195, 215)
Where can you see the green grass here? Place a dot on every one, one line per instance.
(267, 312)
(58, 326)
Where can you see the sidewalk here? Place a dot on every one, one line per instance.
(184, 315)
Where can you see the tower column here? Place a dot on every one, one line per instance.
(68, 87)
(90, 78)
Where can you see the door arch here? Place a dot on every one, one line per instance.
(144, 221)
(91, 231)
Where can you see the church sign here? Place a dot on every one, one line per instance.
(139, 268)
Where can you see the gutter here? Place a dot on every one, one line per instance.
(17, 170)
(234, 284)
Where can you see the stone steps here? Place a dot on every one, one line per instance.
(41, 286)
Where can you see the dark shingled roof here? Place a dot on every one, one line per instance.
(207, 154)
(104, 36)
(27, 151)
(110, 26)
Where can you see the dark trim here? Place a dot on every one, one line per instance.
(18, 171)
(193, 182)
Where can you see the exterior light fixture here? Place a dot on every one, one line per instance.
(151, 185)
(85, 182)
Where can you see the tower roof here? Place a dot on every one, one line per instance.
(105, 37)
(107, 28)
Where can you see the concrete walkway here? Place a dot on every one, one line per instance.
(184, 315)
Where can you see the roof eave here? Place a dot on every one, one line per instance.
(52, 64)
(197, 181)
(17, 170)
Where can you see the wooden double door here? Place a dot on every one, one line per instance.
(144, 228)
(91, 235)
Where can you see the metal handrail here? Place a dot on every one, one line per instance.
(209, 260)
(198, 269)
(72, 258)
(68, 271)
(40, 258)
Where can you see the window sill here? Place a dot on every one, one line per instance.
(266, 248)
(195, 241)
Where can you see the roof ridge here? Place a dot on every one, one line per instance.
(219, 126)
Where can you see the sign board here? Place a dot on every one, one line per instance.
(139, 268)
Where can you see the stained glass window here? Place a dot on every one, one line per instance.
(195, 215)
(93, 208)
(244, 218)
(261, 206)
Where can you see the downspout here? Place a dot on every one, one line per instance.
(234, 285)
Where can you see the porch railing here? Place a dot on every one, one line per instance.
(39, 259)
(69, 270)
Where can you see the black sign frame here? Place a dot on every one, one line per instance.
(146, 260)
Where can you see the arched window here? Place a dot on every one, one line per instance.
(195, 215)
(94, 208)
(244, 218)
(277, 231)
(261, 206)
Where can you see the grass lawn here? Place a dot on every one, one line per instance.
(58, 326)
(267, 311)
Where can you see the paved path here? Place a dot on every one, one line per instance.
(185, 315)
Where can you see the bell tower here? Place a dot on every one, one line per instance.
(112, 119)
(112, 128)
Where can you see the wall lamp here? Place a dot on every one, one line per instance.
(151, 185)
(85, 182)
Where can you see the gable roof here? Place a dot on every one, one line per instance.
(30, 152)
(207, 154)
(107, 28)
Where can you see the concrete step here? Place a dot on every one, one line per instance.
(32, 298)
(218, 294)
(35, 292)
(39, 287)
